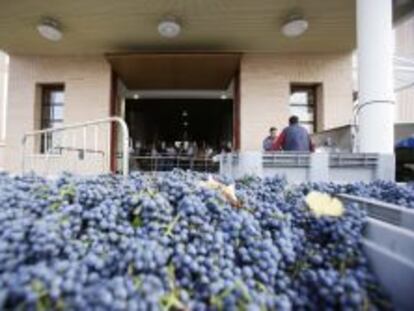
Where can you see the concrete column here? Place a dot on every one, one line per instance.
(375, 74)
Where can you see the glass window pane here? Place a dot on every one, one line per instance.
(52, 117)
(55, 124)
(52, 106)
(57, 112)
(299, 97)
(302, 112)
(57, 97)
(303, 104)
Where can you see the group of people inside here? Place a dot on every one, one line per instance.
(181, 149)
(294, 137)
(164, 156)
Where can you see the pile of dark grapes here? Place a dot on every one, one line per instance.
(165, 242)
(386, 191)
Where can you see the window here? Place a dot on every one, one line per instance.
(302, 103)
(52, 103)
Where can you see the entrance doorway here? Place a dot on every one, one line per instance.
(189, 132)
(204, 121)
(181, 109)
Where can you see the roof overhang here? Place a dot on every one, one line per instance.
(194, 71)
(98, 27)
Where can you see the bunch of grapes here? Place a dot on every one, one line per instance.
(386, 191)
(168, 242)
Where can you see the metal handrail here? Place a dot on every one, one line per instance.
(286, 159)
(162, 162)
(118, 120)
(353, 159)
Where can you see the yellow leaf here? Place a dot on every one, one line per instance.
(322, 204)
(229, 192)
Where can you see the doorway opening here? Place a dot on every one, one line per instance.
(181, 109)
(186, 132)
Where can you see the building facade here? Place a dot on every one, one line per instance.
(79, 71)
(404, 47)
(4, 68)
(265, 81)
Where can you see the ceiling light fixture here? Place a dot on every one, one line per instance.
(136, 96)
(295, 26)
(169, 27)
(223, 96)
(50, 29)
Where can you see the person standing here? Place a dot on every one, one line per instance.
(269, 141)
(294, 138)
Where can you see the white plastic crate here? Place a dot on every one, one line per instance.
(389, 245)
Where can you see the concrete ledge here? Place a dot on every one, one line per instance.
(300, 167)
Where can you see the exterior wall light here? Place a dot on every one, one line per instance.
(50, 29)
(295, 26)
(169, 27)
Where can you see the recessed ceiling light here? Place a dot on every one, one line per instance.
(50, 29)
(169, 27)
(295, 26)
(223, 96)
(136, 96)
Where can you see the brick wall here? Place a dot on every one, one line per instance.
(265, 88)
(265, 80)
(3, 85)
(87, 94)
(404, 47)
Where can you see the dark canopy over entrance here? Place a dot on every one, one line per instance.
(175, 71)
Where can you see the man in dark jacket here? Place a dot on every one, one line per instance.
(294, 137)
